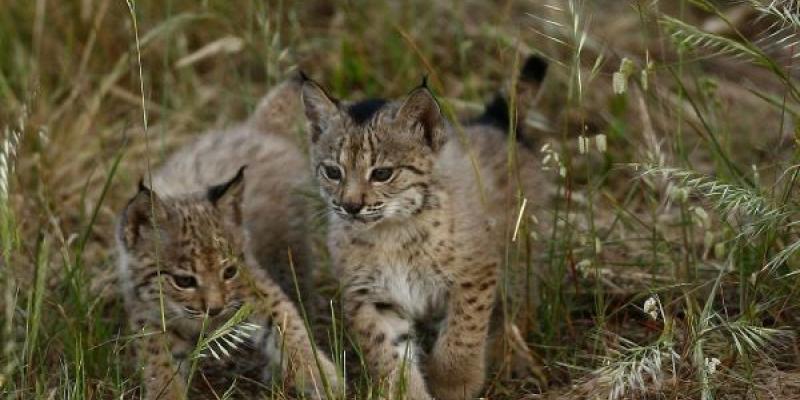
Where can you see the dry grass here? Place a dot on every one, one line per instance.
(709, 98)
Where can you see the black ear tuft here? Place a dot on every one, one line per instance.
(302, 76)
(424, 83)
(534, 69)
(216, 192)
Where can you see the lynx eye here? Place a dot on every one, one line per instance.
(230, 272)
(381, 174)
(184, 281)
(332, 172)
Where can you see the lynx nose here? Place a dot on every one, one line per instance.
(352, 208)
(214, 302)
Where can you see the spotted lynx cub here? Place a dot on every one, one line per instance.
(414, 235)
(186, 265)
(277, 174)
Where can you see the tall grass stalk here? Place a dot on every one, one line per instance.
(9, 239)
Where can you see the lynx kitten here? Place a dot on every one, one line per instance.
(186, 264)
(414, 234)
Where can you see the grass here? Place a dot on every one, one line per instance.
(692, 202)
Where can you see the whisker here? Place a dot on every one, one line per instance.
(320, 212)
(321, 217)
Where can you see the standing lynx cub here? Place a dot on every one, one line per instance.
(200, 245)
(414, 234)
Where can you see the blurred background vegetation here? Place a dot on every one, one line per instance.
(667, 267)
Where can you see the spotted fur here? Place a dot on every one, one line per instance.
(416, 248)
(195, 248)
(274, 210)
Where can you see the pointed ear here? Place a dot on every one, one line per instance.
(229, 196)
(145, 218)
(420, 112)
(321, 109)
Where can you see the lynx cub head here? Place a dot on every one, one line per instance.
(374, 159)
(187, 249)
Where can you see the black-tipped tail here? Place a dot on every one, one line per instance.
(534, 69)
(495, 113)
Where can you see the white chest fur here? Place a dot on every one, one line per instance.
(397, 264)
(416, 291)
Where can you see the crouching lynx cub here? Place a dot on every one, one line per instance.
(415, 241)
(186, 264)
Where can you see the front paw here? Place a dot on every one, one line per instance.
(449, 379)
(462, 387)
(321, 380)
